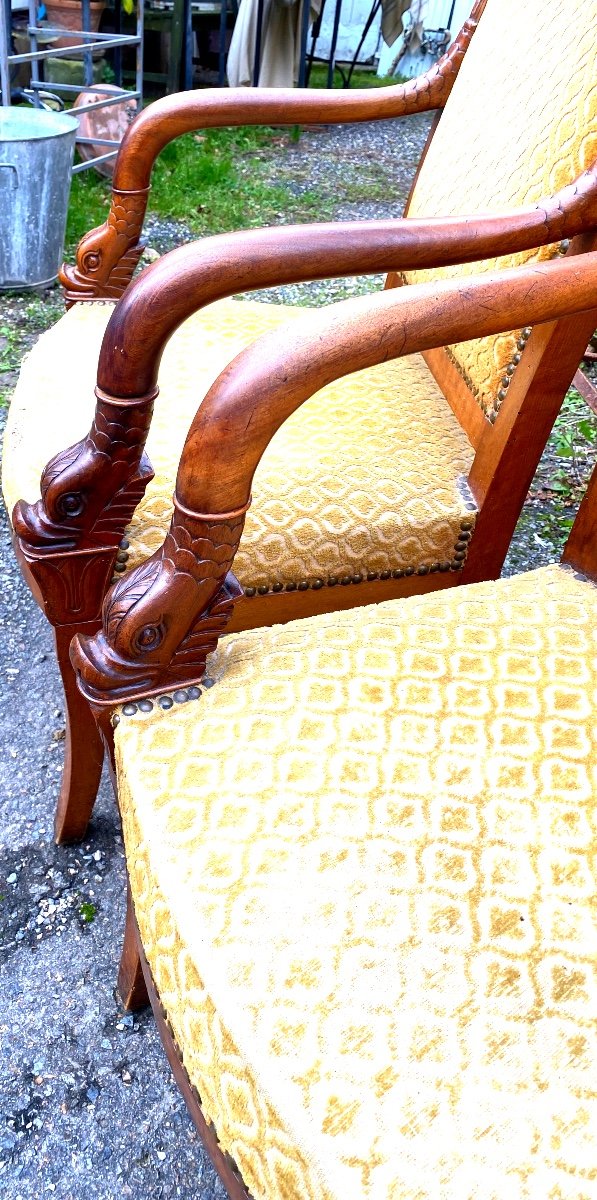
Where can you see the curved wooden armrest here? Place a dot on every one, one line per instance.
(193, 276)
(107, 256)
(90, 490)
(161, 621)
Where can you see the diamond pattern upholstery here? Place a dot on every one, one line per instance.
(363, 867)
(371, 465)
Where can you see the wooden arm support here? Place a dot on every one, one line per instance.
(107, 256)
(89, 492)
(161, 620)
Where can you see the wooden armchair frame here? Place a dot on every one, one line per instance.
(161, 621)
(68, 541)
(107, 256)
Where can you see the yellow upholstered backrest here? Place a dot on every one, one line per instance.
(520, 123)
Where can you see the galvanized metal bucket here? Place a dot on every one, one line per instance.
(36, 154)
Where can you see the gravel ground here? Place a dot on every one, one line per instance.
(88, 1105)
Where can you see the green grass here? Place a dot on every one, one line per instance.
(87, 912)
(9, 348)
(359, 78)
(213, 181)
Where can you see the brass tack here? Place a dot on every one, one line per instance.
(564, 245)
(207, 681)
(180, 696)
(409, 571)
(145, 706)
(526, 332)
(464, 535)
(129, 710)
(505, 382)
(371, 575)
(434, 567)
(510, 369)
(459, 555)
(455, 566)
(278, 587)
(317, 584)
(423, 569)
(516, 358)
(460, 545)
(119, 566)
(491, 418)
(385, 574)
(263, 589)
(121, 556)
(250, 591)
(444, 566)
(332, 581)
(115, 721)
(466, 524)
(114, 579)
(165, 702)
(124, 543)
(291, 587)
(303, 585)
(397, 574)
(502, 394)
(521, 343)
(194, 692)
(344, 580)
(357, 578)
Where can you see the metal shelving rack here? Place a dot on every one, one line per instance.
(83, 44)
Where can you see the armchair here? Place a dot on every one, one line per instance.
(360, 846)
(424, 489)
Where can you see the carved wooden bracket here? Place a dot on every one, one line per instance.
(161, 621)
(68, 540)
(89, 492)
(107, 256)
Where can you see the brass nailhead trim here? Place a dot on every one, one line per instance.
(370, 576)
(165, 702)
(509, 372)
(196, 1094)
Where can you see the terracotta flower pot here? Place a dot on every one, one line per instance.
(67, 14)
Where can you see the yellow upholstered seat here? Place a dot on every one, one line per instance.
(363, 868)
(380, 491)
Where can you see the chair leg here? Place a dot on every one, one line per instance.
(84, 751)
(131, 981)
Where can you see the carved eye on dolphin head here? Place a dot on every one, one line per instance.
(148, 638)
(71, 504)
(91, 261)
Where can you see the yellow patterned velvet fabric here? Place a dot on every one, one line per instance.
(363, 866)
(364, 477)
(520, 123)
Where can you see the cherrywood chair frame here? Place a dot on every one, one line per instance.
(70, 542)
(107, 256)
(160, 621)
